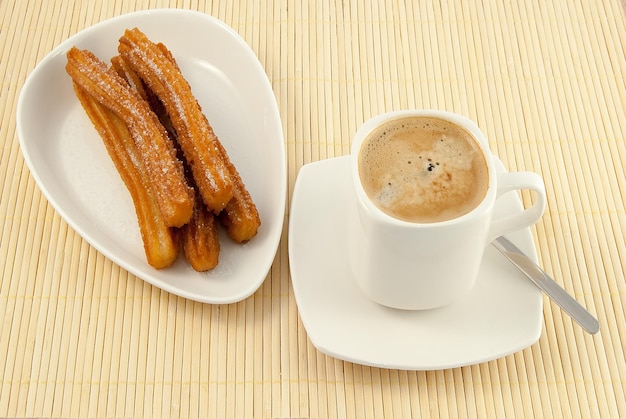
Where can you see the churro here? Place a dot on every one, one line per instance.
(159, 242)
(122, 68)
(165, 171)
(199, 239)
(240, 217)
(195, 135)
(178, 173)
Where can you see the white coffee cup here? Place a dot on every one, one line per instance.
(415, 265)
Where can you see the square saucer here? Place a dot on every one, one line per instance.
(501, 315)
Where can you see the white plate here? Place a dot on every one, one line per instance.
(501, 315)
(71, 166)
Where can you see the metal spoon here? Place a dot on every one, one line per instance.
(547, 284)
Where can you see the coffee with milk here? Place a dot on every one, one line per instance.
(423, 169)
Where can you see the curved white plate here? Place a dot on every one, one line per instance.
(501, 315)
(73, 170)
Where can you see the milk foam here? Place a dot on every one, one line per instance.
(423, 170)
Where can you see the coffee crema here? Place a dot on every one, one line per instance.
(423, 169)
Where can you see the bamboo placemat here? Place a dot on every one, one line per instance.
(80, 337)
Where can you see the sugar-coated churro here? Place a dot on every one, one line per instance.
(180, 177)
(122, 68)
(165, 171)
(199, 239)
(195, 134)
(159, 241)
(240, 217)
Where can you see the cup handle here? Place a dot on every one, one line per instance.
(508, 182)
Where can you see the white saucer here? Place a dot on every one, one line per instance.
(500, 316)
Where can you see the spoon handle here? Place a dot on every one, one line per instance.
(547, 284)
